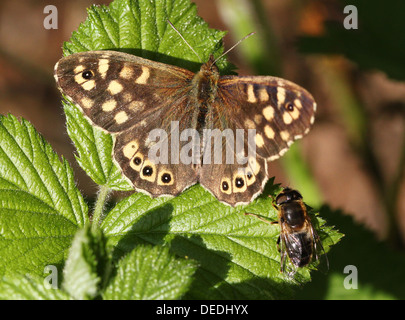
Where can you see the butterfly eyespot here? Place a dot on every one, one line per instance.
(147, 171)
(289, 107)
(137, 161)
(87, 74)
(249, 175)
(239, 182)
(166, 178)
(225, 186)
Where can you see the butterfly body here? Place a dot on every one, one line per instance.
(173, 128)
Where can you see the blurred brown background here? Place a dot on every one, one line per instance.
(28, 53)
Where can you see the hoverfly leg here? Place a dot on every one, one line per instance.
(278, 244)
(260, 218)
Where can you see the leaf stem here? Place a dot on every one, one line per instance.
(99, 206)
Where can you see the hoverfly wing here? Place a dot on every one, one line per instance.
(319, 252)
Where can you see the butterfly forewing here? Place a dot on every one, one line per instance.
(116, 90)
(278, 110)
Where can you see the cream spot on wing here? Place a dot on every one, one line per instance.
(287, 118)
(251, 94)
(103, 66)
(259, 140)
(249, 124)
(258, 118)
(106, 55)
(121, 117)
(127, 97)
(272, 158)
(268, 113)
(130, 149)
(88, 85)
(115, 87)
(126, 72)
(86, 102)
(55, 71)
(136, 105)
(285, 135)
(143, 78)
(295, 114)
(269, 132)
(79, 79)
(281, 95)
(109, 105)
(78, 69)
(263, 95)
(297, 103)
(254, 165)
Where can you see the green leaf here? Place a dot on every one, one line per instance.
(29, 288)
(237, 254)
(94, 148)
(150, 273)
(86, 265)
(40, 206)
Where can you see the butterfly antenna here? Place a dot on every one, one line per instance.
(181, 36)
(233, 47)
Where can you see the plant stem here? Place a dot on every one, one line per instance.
(99, 206)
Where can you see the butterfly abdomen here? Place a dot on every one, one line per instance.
(204, 92)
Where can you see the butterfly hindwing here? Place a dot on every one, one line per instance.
(150, 157)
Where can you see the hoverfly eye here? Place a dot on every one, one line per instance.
(295, 195)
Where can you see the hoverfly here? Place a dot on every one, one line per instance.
(298, 242)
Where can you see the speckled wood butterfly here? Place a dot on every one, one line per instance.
(130, 97)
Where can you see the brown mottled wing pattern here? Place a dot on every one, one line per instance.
(148, 106)
(131, 96)
(276, 111)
